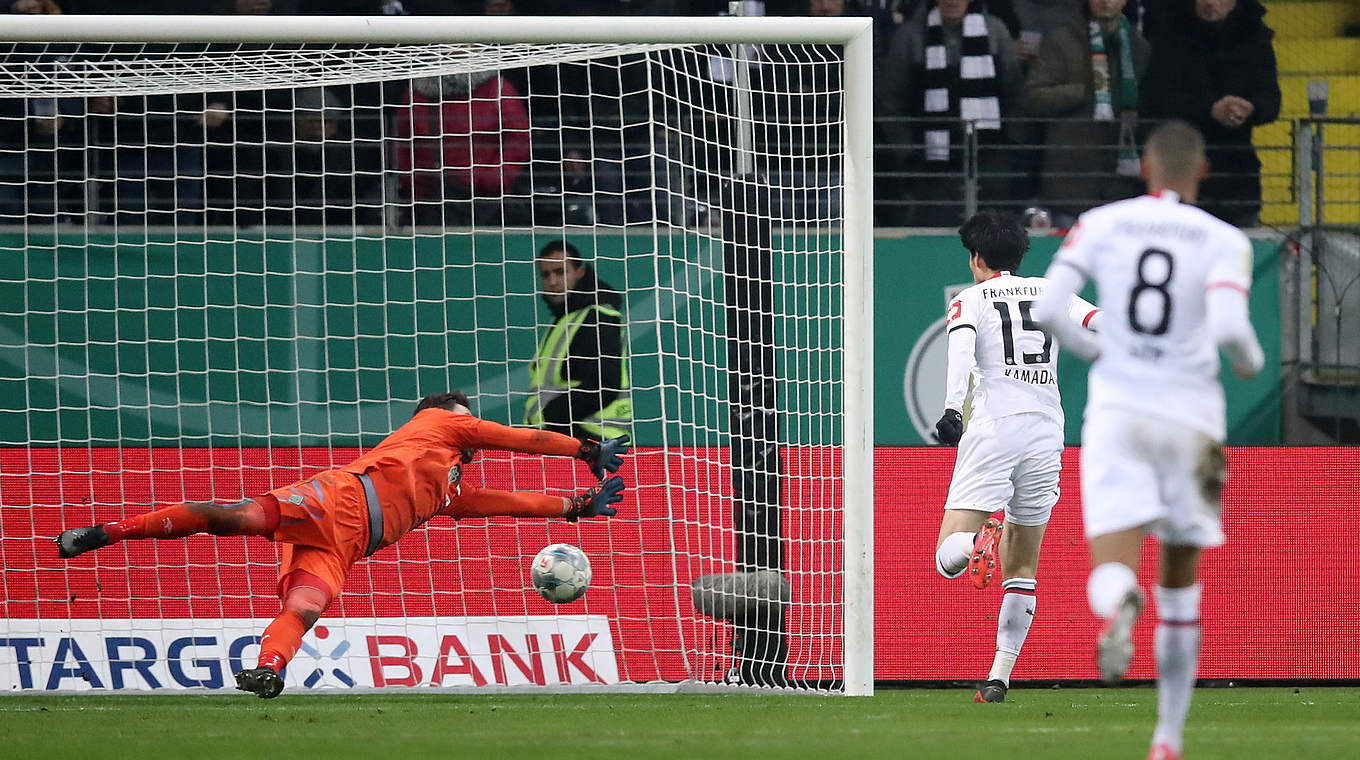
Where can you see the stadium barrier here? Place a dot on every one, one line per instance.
(1280, 601)
(47, 176)
(222, 288)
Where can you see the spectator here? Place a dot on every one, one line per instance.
(319, 174)
(1213, 65)
(1086, 79)
(1033, 20)
(27, 131)
(49, 156)
(659, 178)
(147, 152)
(463, 143)
(1147, 14)
(157, 146)
(797, 135)
(235, 164)
(924, 82)
(578, 191)
(1002, 9)
(579, 373)
(13, 168)
(887, 16)
(1038, 18)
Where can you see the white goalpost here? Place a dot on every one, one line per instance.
(237, 251)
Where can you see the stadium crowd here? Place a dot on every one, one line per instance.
(1047, 99)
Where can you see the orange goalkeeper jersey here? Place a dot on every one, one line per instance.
(417, 470)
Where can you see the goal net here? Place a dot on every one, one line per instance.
(234, 263)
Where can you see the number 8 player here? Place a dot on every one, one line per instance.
(1010, 456)
(1174, 282)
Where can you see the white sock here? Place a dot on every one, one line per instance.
(1107, 585)
(951, 559)
(1177, 660)
(1012, 626)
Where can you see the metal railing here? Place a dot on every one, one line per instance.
(1320, 347)
(1326, 154)
(1320, 285)
(624, 174)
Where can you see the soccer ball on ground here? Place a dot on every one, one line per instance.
(561, 573)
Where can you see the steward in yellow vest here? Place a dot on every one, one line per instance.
(579, 375)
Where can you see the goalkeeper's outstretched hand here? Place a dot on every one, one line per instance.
(607, 456)
(595, 501)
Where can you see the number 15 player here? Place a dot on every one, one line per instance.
(1174, 282)
(1010, 457)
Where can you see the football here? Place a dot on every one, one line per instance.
(561, 573)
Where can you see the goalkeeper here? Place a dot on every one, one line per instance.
(329, 522)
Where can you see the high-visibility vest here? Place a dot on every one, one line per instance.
(549, 383)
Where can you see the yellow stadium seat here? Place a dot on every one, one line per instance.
(1331, 56)
(1343, 98)
(1303, 20)
(1309, 45)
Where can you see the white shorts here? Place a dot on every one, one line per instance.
(1010, 463)
(1140, 470)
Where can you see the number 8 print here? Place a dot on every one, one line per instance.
(1158, 287)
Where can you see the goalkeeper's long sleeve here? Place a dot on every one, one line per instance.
(488, 502)
(483, 434)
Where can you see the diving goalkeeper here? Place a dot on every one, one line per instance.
(329, 522)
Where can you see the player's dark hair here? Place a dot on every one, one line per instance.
(997, 237)
(445, 400)
(561, 246)
(1177, 148)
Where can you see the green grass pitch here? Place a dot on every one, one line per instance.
(1085, 724)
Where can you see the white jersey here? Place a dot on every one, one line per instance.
(1153, 260)
(1014, 363)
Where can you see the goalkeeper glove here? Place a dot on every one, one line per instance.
(950, 427)
(606, 456)
(595, 501)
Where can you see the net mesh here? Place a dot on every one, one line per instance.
(230, 269)
(92, 70)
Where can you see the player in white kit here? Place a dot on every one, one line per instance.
(1173, 282)
(1011, 454)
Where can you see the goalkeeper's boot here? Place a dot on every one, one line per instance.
(1163, 752)
(264, 683)
(992, 691)
(1115, 647)
(76, 541)
(984, 562)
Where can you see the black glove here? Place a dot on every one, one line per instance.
(604, 457)
(950, 427)
(595, 501)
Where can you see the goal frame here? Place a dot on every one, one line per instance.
(855, 34)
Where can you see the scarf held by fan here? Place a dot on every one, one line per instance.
(968, 96)
(1124, 99)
